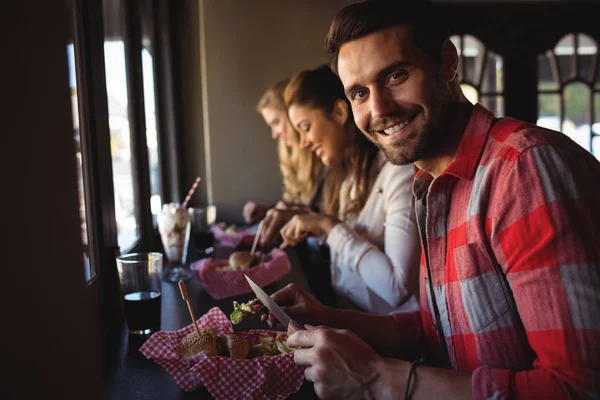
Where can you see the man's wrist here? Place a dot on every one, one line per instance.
(390, 378)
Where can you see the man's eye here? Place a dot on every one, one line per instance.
(399, 76)
(359, 94)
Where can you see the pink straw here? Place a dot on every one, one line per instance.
(191, 192)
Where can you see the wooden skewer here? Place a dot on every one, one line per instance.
(186, 297)
(260, 224)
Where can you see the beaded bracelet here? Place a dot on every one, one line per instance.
(411, 371)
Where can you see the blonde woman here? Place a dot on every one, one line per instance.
(367, 215)
(301, 170)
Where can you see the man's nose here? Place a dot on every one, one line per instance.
(382, 104)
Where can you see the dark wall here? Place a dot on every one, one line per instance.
(49, 331)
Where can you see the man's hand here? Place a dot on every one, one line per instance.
(253, 212)
(303, 225)
(298, 304)
(340, 364)
(275, 218)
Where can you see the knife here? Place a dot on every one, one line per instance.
(282, 317)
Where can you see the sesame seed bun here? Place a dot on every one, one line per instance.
(193, 344)
(241, 259)
(238, 347)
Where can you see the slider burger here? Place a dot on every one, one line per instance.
(241, 259)
(193, 344)
(230, 346)
(236, 346)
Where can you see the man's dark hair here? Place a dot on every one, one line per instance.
(360, 19)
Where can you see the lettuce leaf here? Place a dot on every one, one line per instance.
(238, 314)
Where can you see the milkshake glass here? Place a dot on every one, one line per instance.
(174, 226)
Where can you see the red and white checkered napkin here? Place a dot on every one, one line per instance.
(223, 284)
(266, 377)
(232, 239)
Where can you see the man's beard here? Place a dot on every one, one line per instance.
(420, 144)
(409, 148)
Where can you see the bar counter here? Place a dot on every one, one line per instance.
(132, 376)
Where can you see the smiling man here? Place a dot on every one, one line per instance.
(509, 221)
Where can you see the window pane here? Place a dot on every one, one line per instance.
(492, 80)
(494, 103)
(586, 50)
(547, 79)
(457, 41)
(151, 134)
(120, 143)
(597, 107)
(78, 156)
(596, 147)
(596, 126)
(577, 113)
(470, 92)
(549, 111)
(565, 55)
(474, 52)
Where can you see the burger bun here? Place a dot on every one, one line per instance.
(241, 259)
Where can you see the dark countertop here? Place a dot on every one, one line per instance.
(133, 376)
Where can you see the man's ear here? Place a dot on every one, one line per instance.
(449, 66)
(340, 112)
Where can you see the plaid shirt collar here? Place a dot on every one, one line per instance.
(468, 154)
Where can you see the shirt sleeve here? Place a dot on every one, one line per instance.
(547, 243)
(393, 272)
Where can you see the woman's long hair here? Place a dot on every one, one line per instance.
(299, 167)
(320, 89)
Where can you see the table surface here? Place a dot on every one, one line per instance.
(133, 376)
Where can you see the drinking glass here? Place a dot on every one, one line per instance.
(174, 225)
(140, 276)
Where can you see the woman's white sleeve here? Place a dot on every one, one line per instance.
(392, 273)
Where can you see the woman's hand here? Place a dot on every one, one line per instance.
(304, 225)
(274, 220)
(253, 212)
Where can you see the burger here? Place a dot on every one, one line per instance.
(242, 259)
(232, 345)
(208, 343)
(193, 343)
(237, 346)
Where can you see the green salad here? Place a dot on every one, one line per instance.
(242, 311)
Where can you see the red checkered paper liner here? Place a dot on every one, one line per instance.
(232, 239)
(223, 284)
(267, 377)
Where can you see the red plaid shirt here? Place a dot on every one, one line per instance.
(511, 239)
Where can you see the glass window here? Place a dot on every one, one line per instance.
(568, 98)
(89, 273)
(586, 53)
(120, 137)
(548, 78)
(565, 55)
(576, 122)
(470, 92)
(480, 73)
(151, 131)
